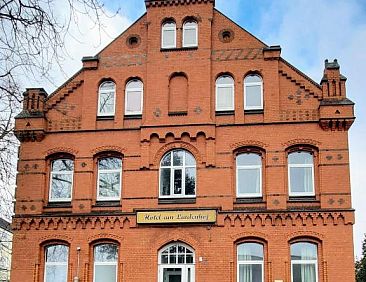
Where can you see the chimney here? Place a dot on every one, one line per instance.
(333, 82)
(34, 100)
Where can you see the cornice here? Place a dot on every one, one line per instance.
(224, 219)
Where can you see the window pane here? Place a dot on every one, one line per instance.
(189, 258)
(253, 96)
(56, 273)
(225, 80)
(133, 101)
(301, 179)
(106, 102)
(168, 38)
(253, 78)
(105, 253)
(63, 165)
(107, 86)
(164, 259)
(133, 84)
(178, 157)
(165, 181)
(304, 272)
(250, 273)
(105, 273)
(248, 159)
(109, 184)
(190, 160)
(181, 249)
(190, 181)
(61, 186)
(190, 37)
(109, 163)
(178, 181)
(166, 161)
(303, 251)
(249, 181)
(250, 252)
(172, 275)
(225, 98)
(57, 253)
(181, 259)
(300, 158)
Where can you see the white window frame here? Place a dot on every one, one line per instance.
(248, 262)
(307, 262)
(300, 194)
(105, 263)
(50, 199)
(46, 264)
(225, 85)
(165, 28)
(135, 89)
(100, 92)
(105, 171)
(186, 28)
(172, 169)
(251, 84)
(183, 266)
(248, 167)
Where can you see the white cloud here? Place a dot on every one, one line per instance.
(84, 39)
(311, 31)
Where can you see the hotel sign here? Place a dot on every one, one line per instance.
(196, 216)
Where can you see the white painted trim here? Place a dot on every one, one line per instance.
(185, 28)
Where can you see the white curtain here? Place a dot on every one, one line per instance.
(246, 273)
(307, 270)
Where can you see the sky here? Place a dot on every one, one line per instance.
(309, 31)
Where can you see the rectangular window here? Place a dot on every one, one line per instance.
(109, 179)
(249, 180)
(225, 98)
(61, 180)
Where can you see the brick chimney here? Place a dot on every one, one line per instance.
(34, 100)
(333, 82)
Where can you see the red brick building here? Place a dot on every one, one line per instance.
(186, 150)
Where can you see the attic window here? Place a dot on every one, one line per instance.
(226, 35)
(133, 41)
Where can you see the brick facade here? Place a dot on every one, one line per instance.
(179, 113)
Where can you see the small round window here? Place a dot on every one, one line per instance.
(133, 41)
(226, 35)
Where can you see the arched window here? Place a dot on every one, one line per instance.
(178, 174)
(107, 97)
(61, 180)
(225, 93)
(304, 262)
(134, 97)
(250, 262)
(190, 34)
(176, 263)
(249, 175)
(105, 263)
(301, 173)
(168, 35)
(253, 92)
(56, 263)
(109, 178)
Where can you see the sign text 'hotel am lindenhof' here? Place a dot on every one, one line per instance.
(199, 216)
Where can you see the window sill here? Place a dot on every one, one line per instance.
(224, 113)
(253, 112)
(107, 204)
(179, 49)
(132, 117)
(105, 117)
(61, 205)
(183, 113)
(293, 199)
(254, 200)
(177, 201)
